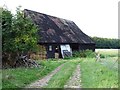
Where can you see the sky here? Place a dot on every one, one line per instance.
(94, 17)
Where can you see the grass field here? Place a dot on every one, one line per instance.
(20, 77)
(100, 74)
(108, 52)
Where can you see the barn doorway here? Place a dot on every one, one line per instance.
(75, 47)
(57, 51)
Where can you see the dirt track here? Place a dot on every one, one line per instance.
(74, 81)
(43, 82)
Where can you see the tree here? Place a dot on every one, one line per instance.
(6, 30)
(106, 43)
(19, 34)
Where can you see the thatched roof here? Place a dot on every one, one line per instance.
(57, 30)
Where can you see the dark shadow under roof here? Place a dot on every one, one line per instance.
(57, 30)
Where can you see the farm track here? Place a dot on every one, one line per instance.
(74, 81)
(44, 81)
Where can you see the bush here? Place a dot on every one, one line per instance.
(89, 53)
(84, 54)
(102, 56)
(68, 58)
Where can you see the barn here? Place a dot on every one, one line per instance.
(59, 37)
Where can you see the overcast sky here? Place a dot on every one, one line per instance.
(94, 17)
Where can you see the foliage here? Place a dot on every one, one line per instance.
(7, 41)
(102, 56)
(19, 33)
(19, 36)
(106, 43)
(84, 54)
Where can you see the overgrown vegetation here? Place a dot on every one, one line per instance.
(19, 36)
(0, 79)
(106, 43)
(19, 33)
(84, 54)
(20, 77)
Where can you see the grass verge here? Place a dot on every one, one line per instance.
(61, 78)
(20, 77)
(98, 75)
(0, 79)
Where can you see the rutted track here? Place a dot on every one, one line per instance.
(43, 82)
(74, 81)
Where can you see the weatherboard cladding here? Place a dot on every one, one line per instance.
(57, 30)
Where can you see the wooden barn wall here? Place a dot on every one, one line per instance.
(74, 47)
(50, 54)
(45, 53)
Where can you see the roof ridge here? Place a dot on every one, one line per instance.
(48, 15)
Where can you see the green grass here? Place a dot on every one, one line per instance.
(108, 52)
(61, 78)
(0, 79)
(20, 77)
(103, 74)
(98, 75)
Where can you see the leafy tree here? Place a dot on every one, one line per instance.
(25, 33)
(6, 30)
(106, 43)
(19, 34)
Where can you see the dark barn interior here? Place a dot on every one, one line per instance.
(55, 32)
